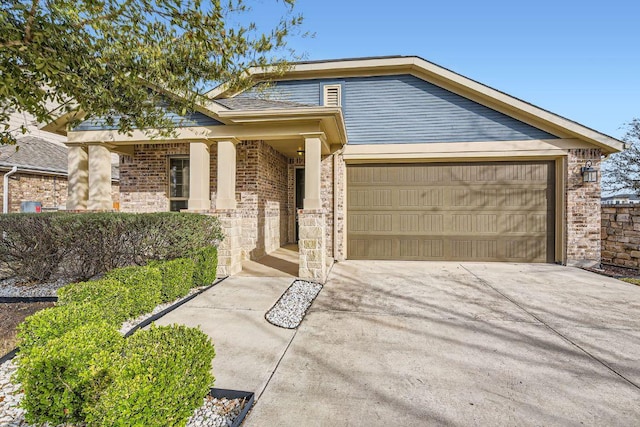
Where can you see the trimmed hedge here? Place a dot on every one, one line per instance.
(163, 377)
(146, 285)
(41, 247)
(67, 363)
(206, 264)
(62, 379)
(40, 328)
(177, 277)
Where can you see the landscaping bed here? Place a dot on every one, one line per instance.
(629, 275)
(11, 315)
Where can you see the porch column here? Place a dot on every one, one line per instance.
(312, 242)
(312, 159)
(226, 191)
(230, 249)
(199, 167)
(99, 178)
(78, 181)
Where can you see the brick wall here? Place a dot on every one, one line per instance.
(621, 235)
(51, 191)
(143, 177)
(261, 189)
(583, 210)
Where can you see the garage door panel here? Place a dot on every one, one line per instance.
(485, 212)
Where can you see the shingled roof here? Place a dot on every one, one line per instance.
(38, 155)
(243, 103)
(35, 154)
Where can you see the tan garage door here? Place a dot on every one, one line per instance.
(494, 211)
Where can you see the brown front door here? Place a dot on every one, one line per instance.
(488, 211)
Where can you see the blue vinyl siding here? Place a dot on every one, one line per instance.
(192, 119)
(405, 109)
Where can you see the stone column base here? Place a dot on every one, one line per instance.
(312, 245)
(230, 249)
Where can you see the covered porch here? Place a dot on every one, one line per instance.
(247, 172)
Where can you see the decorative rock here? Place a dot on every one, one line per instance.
(292, 306)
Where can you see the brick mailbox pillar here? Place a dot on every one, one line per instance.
(230, 249)
(312, 245)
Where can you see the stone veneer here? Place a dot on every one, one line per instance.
(582, 210)
(312, 245)
(230, 249)
(50, 190)
(621, 235)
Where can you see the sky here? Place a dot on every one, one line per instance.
(578, 59)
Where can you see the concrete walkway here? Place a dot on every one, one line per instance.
(418, 343)
(248, 348)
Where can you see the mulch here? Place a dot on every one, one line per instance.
(11, 315)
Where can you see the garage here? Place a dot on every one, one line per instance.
(484, 211)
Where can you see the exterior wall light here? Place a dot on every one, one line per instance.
(300, 152)
(589, 174)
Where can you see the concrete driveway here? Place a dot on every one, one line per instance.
(417, 343)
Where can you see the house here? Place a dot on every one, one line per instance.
(40, 174)
(621, 199)
(372, 158)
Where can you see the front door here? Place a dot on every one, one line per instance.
(299, 195)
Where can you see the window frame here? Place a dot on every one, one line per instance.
(168, 176)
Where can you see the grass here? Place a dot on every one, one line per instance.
(630, 280)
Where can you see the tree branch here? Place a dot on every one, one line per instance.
(108, 16)
(27, 26)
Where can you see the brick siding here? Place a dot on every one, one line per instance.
(583, 210)
(50, 190)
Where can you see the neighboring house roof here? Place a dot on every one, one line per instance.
(257, 104)
(35, 154)
(39, 155)
(629, 196)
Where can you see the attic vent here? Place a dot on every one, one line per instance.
(332, 96)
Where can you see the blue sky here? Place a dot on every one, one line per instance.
(579, 59)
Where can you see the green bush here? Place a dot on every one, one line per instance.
(206, 265)
(62, 379)
(143, 283)
(43, 246)
(43, 326)
(94, 290)
(163, 377)
(177, 277)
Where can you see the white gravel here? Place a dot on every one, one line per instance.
(290, 309)
(13, 288)
(129, 324)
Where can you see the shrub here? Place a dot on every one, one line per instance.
(206, 264)
(144, 284)
(29, 246)
(43, 326)
(94, 290)
(79, 246)
(177, 277)
(62, 379)
(164, 375)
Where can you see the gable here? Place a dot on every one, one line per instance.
(404, 109)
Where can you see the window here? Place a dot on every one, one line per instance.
(178, 183)
(332, 96)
